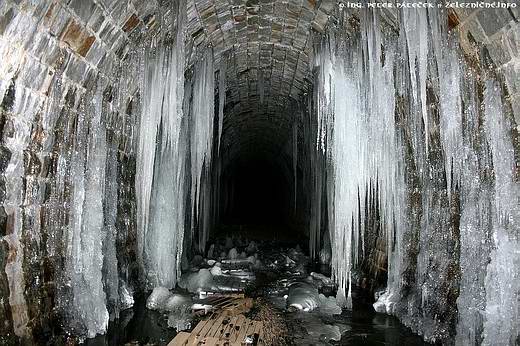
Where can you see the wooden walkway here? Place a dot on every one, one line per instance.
(227, 327)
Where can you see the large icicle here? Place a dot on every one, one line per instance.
(295, 162)
(221, 99)
(202, 118)
(161, 155)
(502, 281)
(363, 146)
(86, 235)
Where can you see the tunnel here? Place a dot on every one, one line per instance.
(347, 170)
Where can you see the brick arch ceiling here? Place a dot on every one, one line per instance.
(265, 48)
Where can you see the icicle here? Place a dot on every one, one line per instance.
(295, 161)
(502, 283)
(201, 144)
(221, 99)
(415, 28)
(448, 82)
(86, 235)
(161, 156)
(362, 150)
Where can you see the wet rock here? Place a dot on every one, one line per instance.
(197, 261)
(252, 247)
(211, 251)
(229, 243)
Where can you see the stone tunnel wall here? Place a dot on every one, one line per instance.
(56, 56)
(499, 32)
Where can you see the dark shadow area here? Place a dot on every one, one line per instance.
(255, 192)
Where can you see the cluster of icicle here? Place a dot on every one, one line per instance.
(91, 288)
(174, 184)
(399, 115)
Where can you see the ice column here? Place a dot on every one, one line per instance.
(161, 157)
(84, 254)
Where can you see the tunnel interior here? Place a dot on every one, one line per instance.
(138, 136)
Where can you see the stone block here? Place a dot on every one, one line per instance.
(78, 38)
(493, 20)
(513, 38)
(83, 9)
(5, 19)
(57, 18)
(130, 23)
(515, 103)
(512, 74)
(499, 50)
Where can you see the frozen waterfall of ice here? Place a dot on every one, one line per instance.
(411, 134)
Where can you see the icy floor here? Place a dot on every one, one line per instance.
(323, 324)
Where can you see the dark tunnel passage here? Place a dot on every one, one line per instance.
(256, 192)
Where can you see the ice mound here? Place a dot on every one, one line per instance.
(157, 298)
(328, 305)
(251, 247)
(303, 296)
(324, 279)
(384, 303)
(198, 281)
(216, 269)
(126, 297)
(233, 254)
(180, 320)
(177, 302)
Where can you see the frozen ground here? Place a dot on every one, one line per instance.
(278, 274)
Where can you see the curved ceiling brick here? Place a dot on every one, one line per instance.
(265, 47)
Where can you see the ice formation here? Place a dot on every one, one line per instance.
(201, 139)
(411, 134)
(157, 299)
(303, 296)
(161, 158)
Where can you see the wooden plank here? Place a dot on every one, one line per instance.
(261, 335)
(226, 334)
(199, 326)
(200, 332)
(237, 328)
(244, 330)
(210, 341)
(259, 326)
(180, 339)
(217, 326)
(208, 326)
